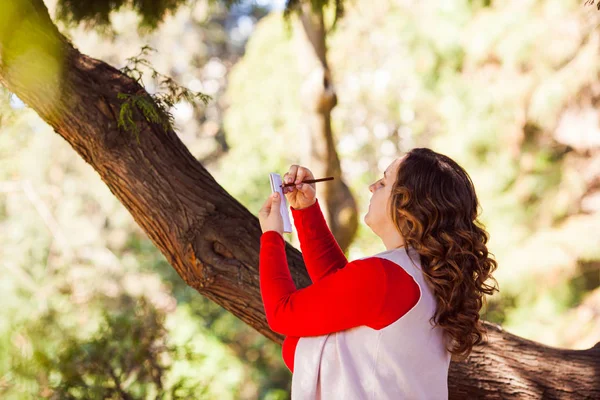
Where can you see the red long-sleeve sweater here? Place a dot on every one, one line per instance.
(372, 291)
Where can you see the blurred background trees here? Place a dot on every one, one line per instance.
(509, 89)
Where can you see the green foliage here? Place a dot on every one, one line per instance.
(125, 358)
(31, 56)
(153, 108)
(317, 6)
(97, 12)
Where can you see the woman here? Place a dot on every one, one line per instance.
(386, 326)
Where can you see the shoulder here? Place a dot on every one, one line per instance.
(365, 275)
(374, 266)
(396, 277)
(375, 269)
(379, 270)
(379, 263)
(391, 291)
(402, 293)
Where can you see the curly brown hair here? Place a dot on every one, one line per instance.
(435, 209)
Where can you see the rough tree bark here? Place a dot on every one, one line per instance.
(210, 239)
(318, 100)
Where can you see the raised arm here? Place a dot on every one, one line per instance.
(321, 252)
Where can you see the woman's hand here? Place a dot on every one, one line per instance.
(269, 215)
(301, 195)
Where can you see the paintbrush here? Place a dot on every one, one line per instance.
(329, 178)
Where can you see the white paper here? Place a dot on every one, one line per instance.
(275, 180)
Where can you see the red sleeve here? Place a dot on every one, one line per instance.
(321, 252)
(348, 297)
(373, 292)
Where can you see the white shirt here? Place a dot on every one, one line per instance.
(404, 360)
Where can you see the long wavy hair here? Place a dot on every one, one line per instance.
(435, 209)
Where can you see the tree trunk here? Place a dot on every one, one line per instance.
(318, 99)
(210, 239)
(510, 367)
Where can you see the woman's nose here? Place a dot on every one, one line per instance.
(371, 186)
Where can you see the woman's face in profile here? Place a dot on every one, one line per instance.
(378, 214)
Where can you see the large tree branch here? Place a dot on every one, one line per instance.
(210, 239)
(510, 367)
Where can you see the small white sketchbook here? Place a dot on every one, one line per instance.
(275, 180)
